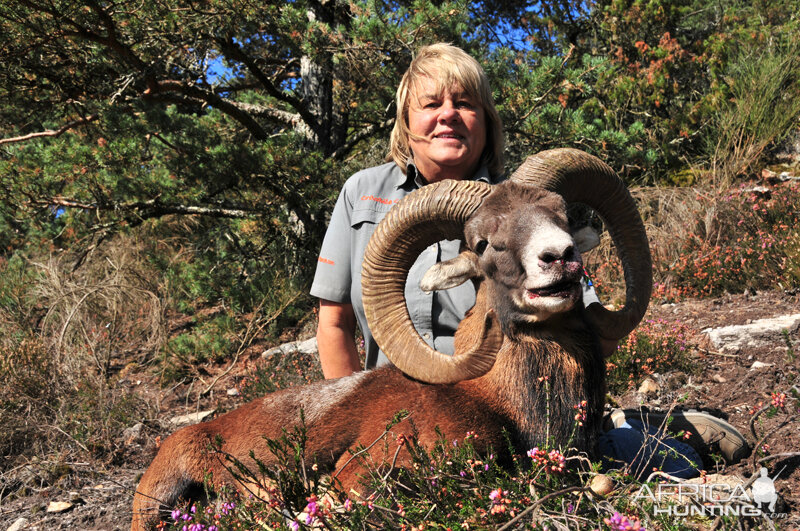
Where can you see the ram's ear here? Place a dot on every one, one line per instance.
(451, 273)
(586, 239)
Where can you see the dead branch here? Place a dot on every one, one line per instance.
(51, 132)
(253, 329)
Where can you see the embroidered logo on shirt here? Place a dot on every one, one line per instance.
(379, 199)
(325, 261)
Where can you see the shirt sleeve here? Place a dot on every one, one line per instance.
(332, 279)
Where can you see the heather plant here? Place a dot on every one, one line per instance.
(447, 486)
(705, 244)
(656, 346)
(752, 247)
(784, 408)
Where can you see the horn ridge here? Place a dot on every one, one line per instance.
(433, 213)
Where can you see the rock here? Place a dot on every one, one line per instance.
(133, 434)
(59, 506)
(18, 525)
(232, 392)
(759, 365)
(601, 485)
(717, 378)
(191, 418)
(648, 387)
(758, 333)
(758, 190)
(786, 176)
(309, 346)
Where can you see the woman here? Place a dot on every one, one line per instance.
(446, 128)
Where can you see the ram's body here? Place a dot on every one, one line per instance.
(546, 361)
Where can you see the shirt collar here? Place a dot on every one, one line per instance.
(413, 176)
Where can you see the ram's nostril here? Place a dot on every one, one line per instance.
(548, 258)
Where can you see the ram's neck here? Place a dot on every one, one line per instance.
(540, 379)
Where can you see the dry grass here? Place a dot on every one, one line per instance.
(108, 309)
(60, 347)
(670, 215)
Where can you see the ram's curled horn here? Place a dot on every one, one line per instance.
(582, 178)
(433, 213)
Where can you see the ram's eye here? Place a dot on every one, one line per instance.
(480, 247)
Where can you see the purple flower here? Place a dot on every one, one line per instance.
(619, 522)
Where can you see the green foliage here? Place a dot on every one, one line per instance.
(209, 341)
(671, 69)
(764, 108)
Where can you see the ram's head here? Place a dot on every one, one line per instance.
(518, 241)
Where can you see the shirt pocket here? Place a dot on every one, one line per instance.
(366, 218)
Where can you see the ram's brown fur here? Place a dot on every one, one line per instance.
(507, 398)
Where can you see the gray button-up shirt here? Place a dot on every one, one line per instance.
(363, 202)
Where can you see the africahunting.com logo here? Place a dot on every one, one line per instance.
(713, 499)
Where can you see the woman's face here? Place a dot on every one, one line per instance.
(451, 128)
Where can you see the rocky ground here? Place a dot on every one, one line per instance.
(738, 369)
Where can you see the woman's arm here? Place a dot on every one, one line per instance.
(335, 339)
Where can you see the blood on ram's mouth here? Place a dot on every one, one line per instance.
(562, 289)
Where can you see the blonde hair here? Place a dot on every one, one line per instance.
(450, 67)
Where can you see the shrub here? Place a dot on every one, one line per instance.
(279, 372)
(655, 346)
(46, 416)
(706, 244)
(764, 107)
(753, 245)
(449, 486)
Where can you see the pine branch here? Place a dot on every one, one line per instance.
(149, 209)
(234, 51)
(226, 106)
(359, 136)
(51, 132)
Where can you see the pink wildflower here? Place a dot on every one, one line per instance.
(619, 522)
(779, 400)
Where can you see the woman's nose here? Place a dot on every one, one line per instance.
(448, 113)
